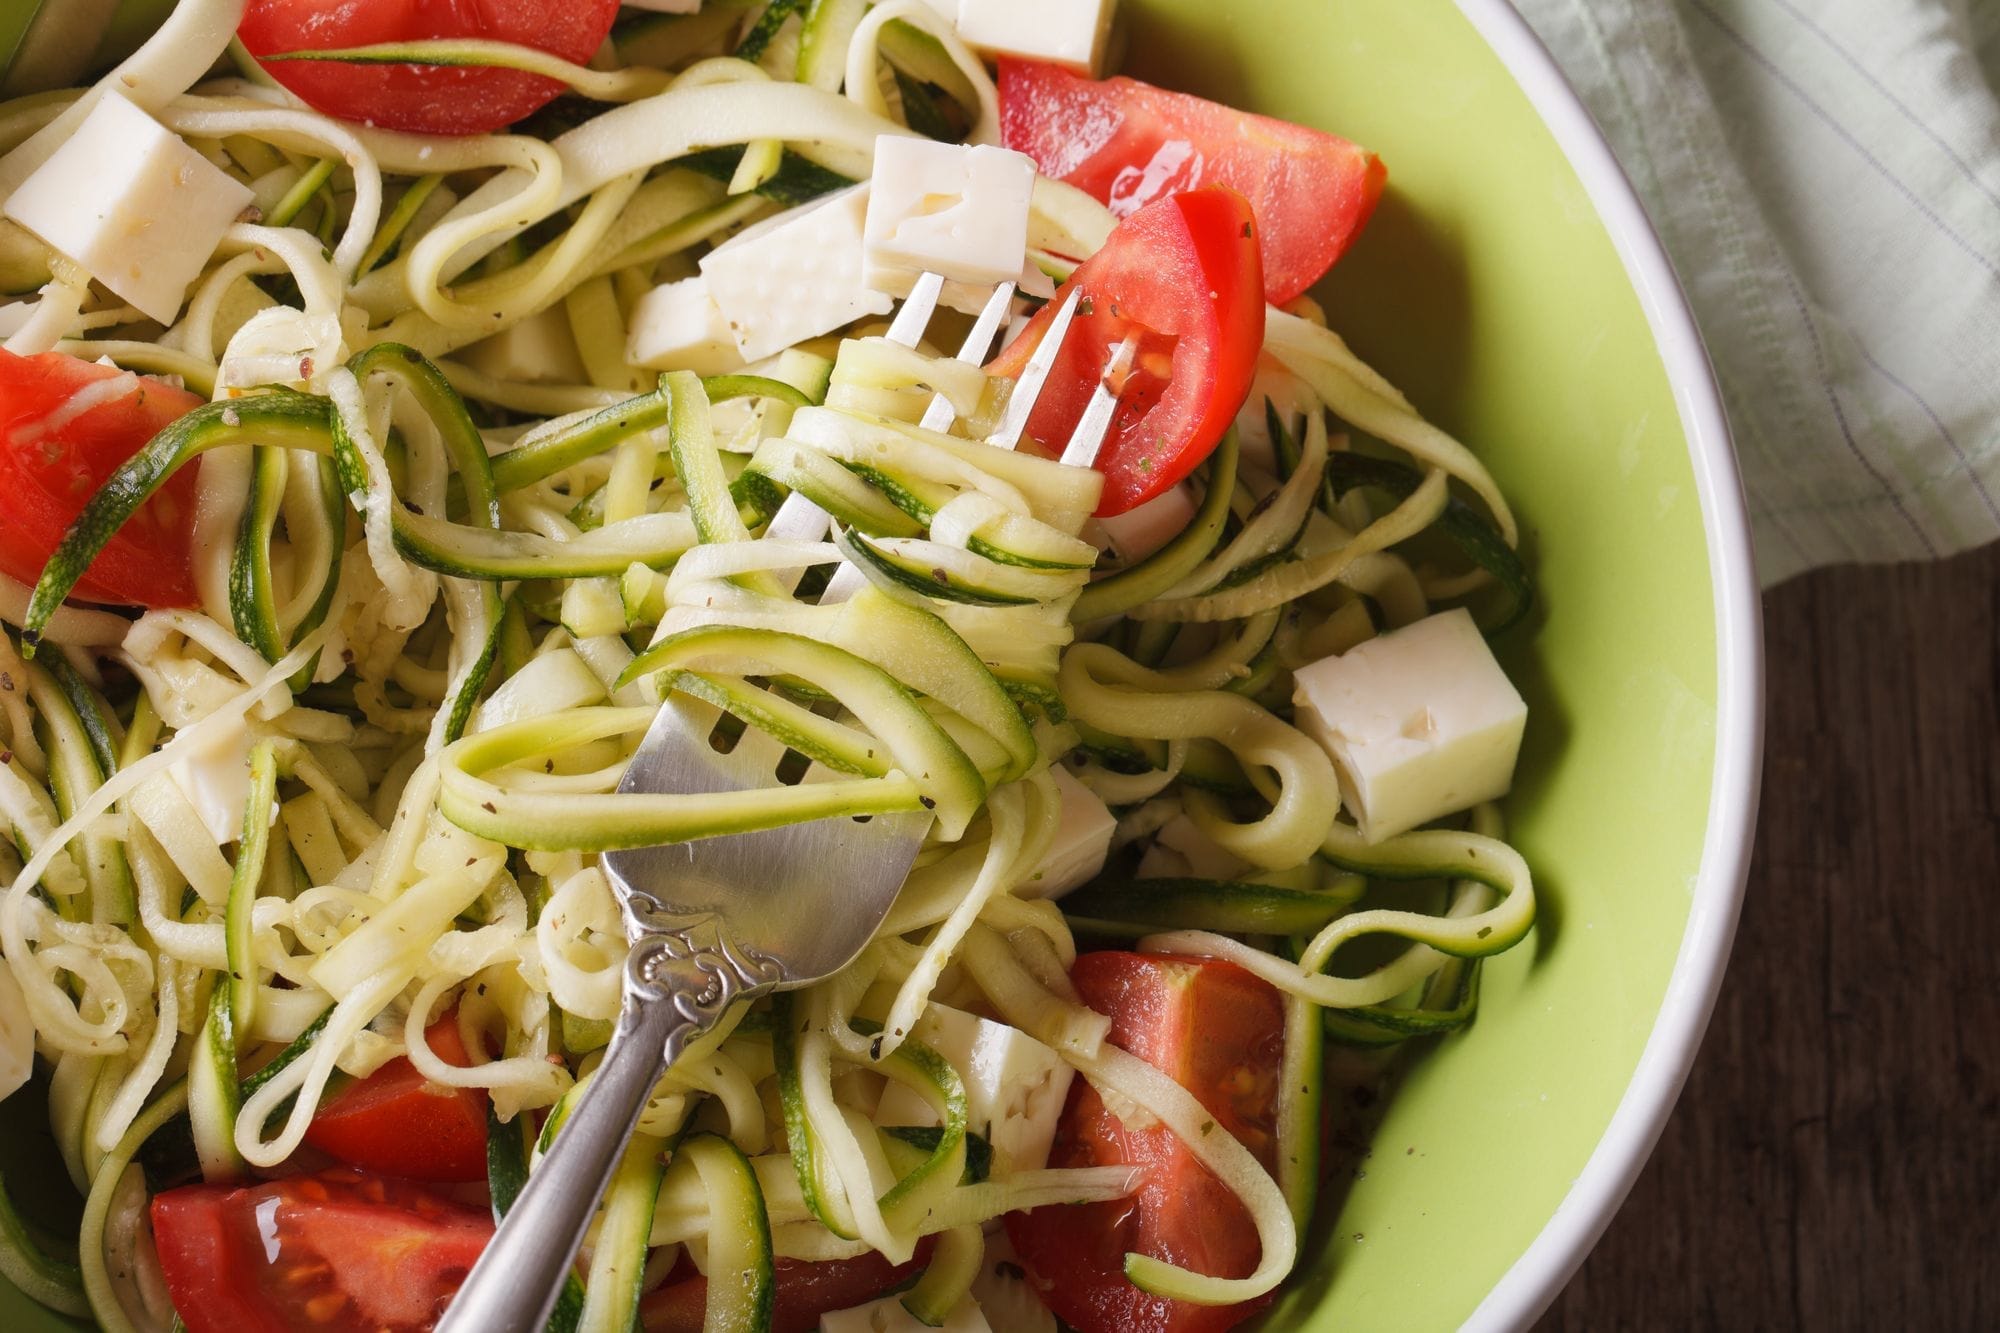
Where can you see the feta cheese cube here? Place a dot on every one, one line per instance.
(1181, 849)
(678, 327)
(1083, 840)
(1014, 1086)
(537, 350)
(794, 276)
(960, 210)
(946, 9)
(216, 781)
(888, 1316)
(1420, 722)
(132, 204)
(1069, 32)
(1137, 533)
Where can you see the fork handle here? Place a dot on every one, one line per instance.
(514, 1286)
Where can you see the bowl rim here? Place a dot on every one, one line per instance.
(1534, 1280)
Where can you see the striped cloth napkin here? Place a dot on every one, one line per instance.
(1826, 176)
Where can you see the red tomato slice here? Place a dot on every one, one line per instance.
(1181, 274)
(805, 1291)
(399, 1123)
(1128, 143)
(1220, 1032)
(423, 99)
(66, 425)
(340, 1252)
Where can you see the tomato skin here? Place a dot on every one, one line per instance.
(1183, 274)
(422, 99)
(338, 1251)
(1127, 143)
(805, 1291)
(57, 449)
(398, 1123)
(1219, 1031)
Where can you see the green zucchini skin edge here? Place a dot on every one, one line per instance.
(1468, 530)
(1225, 906)
(281, 417)
(1178, 558)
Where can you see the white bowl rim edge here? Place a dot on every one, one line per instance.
(1538, 1276)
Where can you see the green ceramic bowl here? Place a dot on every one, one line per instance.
(1511, 286)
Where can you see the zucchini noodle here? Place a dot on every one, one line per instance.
(442, 592)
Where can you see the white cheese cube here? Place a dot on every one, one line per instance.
(1421, 723)
(946, 9)
(132, 204)
(1137, 533)
(1069, 32)
(1006, 1297)
(1014, 1086)
(1181, 849)
(888, 1316)
(1083, 840)
(794, 276)
(678, 327)
(960, 210)
(537, 350)
(216, 781)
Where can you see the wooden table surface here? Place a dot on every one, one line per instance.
(1834, 1162)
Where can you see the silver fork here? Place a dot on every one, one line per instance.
(723, 920)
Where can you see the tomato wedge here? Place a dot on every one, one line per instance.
(340, 1252)
(422, 99)
(805, 1291)
(399, 1123)
(1182, 276)
(65, 426)
(1220, 1032)
(1128, 143)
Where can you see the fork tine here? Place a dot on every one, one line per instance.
(908, 327)
(939, 415)
(1029, 387)
(1095, 423)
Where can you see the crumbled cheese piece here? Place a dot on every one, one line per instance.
(795, 276)
(216, 781)
(1014, 1085)
(1082, 841)
(1137, 533)
(1181, 849)
(1005, 1296)
(677, 326)
(537, 350)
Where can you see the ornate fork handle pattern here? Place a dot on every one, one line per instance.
(692, 964)
(683, 973)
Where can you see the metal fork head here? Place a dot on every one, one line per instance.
(808, 896)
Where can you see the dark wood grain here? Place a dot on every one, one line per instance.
(1835, 1159)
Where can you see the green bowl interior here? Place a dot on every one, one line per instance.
(1489, 291)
